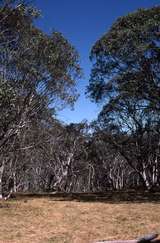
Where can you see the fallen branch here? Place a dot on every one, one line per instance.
(146, 239)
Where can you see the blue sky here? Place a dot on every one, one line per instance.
(83, 22)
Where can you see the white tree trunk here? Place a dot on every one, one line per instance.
(145, 178)
(1, 176)
(15, 182)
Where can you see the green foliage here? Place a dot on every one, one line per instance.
(45, 63)
(126, 59)
(38, 72)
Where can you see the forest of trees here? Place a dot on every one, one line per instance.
(38, 76)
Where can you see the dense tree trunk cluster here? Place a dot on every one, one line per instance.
(68, 158)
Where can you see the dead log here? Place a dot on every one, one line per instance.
(145, 239)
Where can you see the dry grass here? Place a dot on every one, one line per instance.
(45, 220)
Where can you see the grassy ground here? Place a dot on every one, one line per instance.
(48, 220)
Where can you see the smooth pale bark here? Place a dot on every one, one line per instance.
(1, 176)
(150, 179)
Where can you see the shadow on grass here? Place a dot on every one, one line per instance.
(108, 197)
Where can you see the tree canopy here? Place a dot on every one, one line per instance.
(36, 70)
(126, 59)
